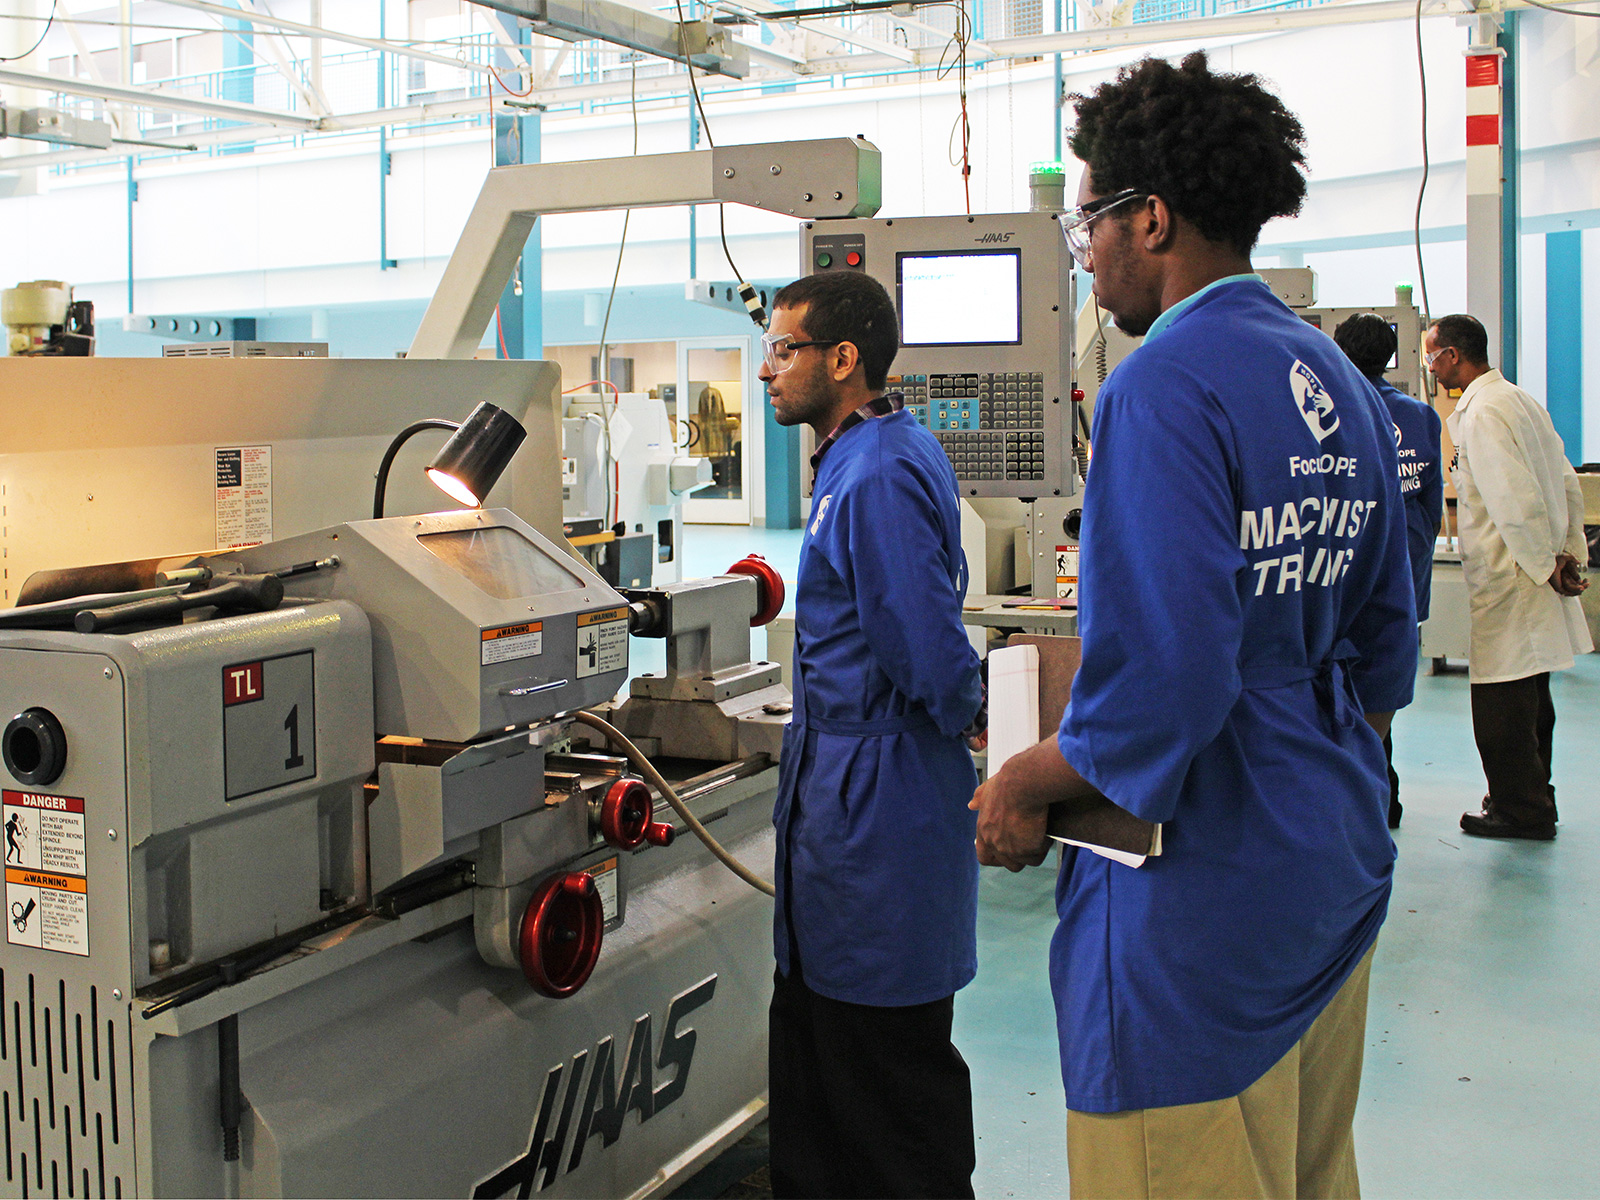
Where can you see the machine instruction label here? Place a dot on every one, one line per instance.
(47, 869)
(244, 496)
(602, 641)
(512, 641)
(604, 875)
(1067, 573)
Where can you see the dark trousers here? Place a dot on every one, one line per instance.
(1513, 724)
(866, 1101)
(1394, 781)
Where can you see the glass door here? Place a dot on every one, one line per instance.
(719, 418)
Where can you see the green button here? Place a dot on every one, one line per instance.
(824, 260)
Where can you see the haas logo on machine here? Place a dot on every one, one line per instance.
(598, 1096)
(1316, 406)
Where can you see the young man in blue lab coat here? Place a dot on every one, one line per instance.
(876, 917)
(1246, 598)
(1370, 343)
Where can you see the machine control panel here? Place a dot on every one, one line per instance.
(985, 362)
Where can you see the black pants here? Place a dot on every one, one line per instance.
(1394, 781)
(866, 1101)
(1513, 724)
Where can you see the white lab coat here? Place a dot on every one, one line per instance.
(1519, 504)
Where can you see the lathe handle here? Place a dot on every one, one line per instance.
(257, 593)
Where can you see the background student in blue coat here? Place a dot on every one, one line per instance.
(1370, 343)
(876, 921)
(1246, 598)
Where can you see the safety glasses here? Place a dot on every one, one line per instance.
(1075, 226)
(778, 350)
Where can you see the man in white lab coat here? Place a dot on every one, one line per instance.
(1520, 517)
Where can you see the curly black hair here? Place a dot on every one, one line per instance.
(1221, 150)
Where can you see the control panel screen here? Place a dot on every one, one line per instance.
(960, 298)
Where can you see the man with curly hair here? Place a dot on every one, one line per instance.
(1212, 1002)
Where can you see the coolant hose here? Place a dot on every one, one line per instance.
(646, 768)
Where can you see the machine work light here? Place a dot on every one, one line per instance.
(469, 464)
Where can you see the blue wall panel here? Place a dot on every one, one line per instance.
(1563, 257)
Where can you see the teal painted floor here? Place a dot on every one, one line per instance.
(1483, 1044)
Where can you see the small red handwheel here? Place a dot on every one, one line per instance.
(769, 587)
(561, 933)
(625, 814)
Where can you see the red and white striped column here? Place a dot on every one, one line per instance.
(1485, 190)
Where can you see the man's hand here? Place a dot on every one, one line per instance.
(1567, 579)
(1010, 823)
(978, 742)
(1014, 805)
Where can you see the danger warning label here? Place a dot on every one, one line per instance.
(1067, 573)
(47, 869)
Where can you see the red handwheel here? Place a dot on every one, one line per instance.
(561, 933)
(769, 587)
(625, 817)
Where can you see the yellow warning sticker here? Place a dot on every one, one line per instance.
(602, 617)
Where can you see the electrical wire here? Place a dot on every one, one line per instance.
(1416, 224)
(646, 768)
(614, 493)
(963, 123)
(46, 33)
(509, 90)
(705, 125)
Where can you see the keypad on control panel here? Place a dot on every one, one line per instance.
(991, 424)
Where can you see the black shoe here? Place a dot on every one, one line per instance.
(1395, 809)
(1490, 826)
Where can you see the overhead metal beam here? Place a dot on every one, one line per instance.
(710, 47)
(332, 35)
(832, 177)
(165, 101)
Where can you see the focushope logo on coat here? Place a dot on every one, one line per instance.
(1316, 406)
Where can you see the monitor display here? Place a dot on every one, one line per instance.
(960, 298)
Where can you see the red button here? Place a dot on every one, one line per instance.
(853, 259)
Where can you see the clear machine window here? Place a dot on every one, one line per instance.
(500, 561)
(960, 298)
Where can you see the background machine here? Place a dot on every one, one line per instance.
(986, 364)
(324, 872)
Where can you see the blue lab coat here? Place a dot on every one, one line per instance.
(1416, 437)
(1246, 596)
(876, 877)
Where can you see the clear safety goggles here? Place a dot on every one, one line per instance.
(778, 350)
(1075, 226)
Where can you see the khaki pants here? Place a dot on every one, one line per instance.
(1286, 1135)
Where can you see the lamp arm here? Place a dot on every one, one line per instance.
(400, 439)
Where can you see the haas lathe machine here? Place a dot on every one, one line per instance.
(328, 871)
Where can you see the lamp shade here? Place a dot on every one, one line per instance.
(469, 464)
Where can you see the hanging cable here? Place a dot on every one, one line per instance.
(603, 362)
(747, 293)
(51, 21)
(963, 122)
(1416, 224)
